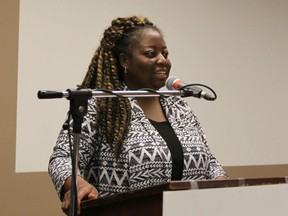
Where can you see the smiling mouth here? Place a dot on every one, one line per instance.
(161, 75)
(161, 72)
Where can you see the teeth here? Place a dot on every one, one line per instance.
(161, 72)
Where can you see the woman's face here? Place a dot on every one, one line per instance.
(148, 66)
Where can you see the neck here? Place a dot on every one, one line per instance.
(152, 108)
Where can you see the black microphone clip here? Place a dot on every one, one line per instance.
(195, 91)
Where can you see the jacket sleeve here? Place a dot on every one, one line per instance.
(60, 165)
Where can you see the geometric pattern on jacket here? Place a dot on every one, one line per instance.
(145, 159)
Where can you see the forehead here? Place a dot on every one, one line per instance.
(149, 37)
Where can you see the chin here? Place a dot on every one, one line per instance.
(158, 87)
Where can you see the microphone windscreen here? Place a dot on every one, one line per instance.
(170, 82)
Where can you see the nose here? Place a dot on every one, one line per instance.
(161, 59)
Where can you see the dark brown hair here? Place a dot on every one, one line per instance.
(106, 72)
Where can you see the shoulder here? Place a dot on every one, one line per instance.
(175, 102)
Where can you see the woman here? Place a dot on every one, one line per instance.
(132, 143)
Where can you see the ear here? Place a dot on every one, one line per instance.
(123, 60)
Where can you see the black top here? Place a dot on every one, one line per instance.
(168, 134)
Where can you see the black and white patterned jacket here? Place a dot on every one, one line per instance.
(145, 159)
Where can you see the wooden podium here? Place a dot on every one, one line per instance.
(162, 199)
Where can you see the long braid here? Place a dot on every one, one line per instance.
(105, 72)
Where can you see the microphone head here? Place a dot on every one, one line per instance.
(170, 82)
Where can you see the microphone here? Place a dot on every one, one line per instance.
(174, 83)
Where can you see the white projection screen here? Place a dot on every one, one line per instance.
(238, 48)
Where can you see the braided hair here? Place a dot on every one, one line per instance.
(105, 72)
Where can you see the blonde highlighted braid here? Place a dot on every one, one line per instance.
(106, 72)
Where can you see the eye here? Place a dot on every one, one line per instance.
(150, 54)
(165, 54)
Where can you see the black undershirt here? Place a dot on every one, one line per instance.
(174, 146)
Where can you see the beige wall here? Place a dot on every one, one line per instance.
(33, 193)
(27, 193)
(239, 48)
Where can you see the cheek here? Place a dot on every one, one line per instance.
(168, 64)
(145, 67)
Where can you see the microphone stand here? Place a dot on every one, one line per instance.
(46, 94)
(78, 109)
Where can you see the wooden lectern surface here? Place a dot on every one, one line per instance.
(149, 201)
